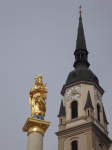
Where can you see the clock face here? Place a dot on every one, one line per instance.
(74, 92)
(98, 96)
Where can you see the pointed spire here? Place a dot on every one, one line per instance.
(81, 53)
(104, 116)
(62, 109)
(80, 43)
(89, 102)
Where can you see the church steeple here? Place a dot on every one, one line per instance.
(81, 52)
(82, 119)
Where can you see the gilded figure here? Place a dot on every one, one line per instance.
(37, 98)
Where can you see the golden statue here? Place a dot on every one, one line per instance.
(37, 98)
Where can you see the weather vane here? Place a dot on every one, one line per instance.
(80, 9)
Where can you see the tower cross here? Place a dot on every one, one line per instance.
(80, 7)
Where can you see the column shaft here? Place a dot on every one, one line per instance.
(35, 141)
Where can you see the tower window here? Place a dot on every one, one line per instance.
(88, 112)
(78, 56)
(98, 112)
(82, 55)
(74, 145)
(85, 56)
(74, 110)
(75, 57)
(74, 75)
(100, 147)
(60, 121)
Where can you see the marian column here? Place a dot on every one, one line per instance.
(35, 124)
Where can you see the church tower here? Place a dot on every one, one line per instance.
(82, 118)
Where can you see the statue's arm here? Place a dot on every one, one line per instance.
(30, 101)
(31, 95)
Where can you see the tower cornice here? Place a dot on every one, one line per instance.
(82, 128)
(65, 86)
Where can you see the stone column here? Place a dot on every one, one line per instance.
(35, 141)
(36, 129)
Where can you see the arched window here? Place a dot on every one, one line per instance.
(74, 145)
(100, 147)
(82, 55)
(98, 112)
(75, 57)
(78, 56)
(88, 112)
(74, 110)
(85, 56)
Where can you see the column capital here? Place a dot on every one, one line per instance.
(36, 125)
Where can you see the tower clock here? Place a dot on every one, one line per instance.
(74, 92)
(98, 96)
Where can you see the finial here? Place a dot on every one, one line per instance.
(80, 9)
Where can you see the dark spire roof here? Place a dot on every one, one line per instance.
(104, 116)
(81, 52)
(62, 109)
(88, 102)
(81, 43)
(81, 64)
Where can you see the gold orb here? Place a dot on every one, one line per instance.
(80, 11)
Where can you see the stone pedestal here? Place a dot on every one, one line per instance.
(36, 129)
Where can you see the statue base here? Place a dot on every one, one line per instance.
(35, 129)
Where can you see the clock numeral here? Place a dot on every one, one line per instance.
(73, 97)
(76, 96)
(79, 91)
(76, 87)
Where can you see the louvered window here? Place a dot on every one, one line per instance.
(74, 145)
(88, 112)
(78, 56)
(82, 55)
(74, 110)
(98, 112)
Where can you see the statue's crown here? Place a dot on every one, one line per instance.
(39, 76)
